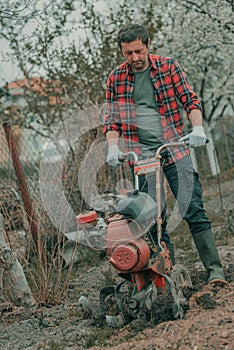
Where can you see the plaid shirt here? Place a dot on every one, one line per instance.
(169, 85)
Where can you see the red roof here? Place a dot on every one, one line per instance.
(44, 87)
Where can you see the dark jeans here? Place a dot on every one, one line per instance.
(186, 187)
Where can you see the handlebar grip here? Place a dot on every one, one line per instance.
(129, 155)
(122, 157)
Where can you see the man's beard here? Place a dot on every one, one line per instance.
(138, 65)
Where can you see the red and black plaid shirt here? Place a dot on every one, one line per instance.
(169, 85)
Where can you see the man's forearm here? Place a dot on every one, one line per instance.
(112, 137)
(195, 117)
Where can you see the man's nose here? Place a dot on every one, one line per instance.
(135, 56)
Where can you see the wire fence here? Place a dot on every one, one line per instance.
(20, 164)
(21, 151)
(223, 150)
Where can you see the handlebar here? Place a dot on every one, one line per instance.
(156, 165)
(124, 156)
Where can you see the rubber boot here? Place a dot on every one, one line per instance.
(209, 256)
(170, 247)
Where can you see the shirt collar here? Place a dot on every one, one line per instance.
(152, 61)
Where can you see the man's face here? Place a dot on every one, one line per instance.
(136, 54)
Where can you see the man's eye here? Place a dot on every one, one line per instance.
(131, 52)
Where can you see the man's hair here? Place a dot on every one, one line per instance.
(132, 32)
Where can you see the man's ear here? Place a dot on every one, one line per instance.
(148, 42)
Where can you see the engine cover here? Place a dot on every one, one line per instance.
(124, 257)
(130, 257)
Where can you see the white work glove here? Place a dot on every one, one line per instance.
(113, 155)
(196, 138)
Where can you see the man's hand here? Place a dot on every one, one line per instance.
(196, 138)
(113, 155)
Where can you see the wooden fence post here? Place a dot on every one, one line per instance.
(28, 204)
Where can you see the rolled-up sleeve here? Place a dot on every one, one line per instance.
(183, 90)
(112, 120)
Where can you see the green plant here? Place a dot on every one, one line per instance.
(99, 337)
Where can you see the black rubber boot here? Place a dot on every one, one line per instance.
(170, 247)
(209, 256)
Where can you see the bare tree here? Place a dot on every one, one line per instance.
(79, 51)
(202, 41)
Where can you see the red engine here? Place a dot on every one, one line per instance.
(126, 253)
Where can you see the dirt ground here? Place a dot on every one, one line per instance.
(74, 325)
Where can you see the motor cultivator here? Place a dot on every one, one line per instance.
(151, 289)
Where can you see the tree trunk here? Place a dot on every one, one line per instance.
(211, 152)
(13, 277)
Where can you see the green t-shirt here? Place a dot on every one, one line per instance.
(148, 120)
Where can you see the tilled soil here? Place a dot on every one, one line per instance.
(74, 324)
(208, 323)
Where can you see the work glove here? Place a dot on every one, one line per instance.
(113, 155)
(196, 138)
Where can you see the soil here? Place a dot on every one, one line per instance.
(74, 323)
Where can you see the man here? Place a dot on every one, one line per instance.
(144, 95)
